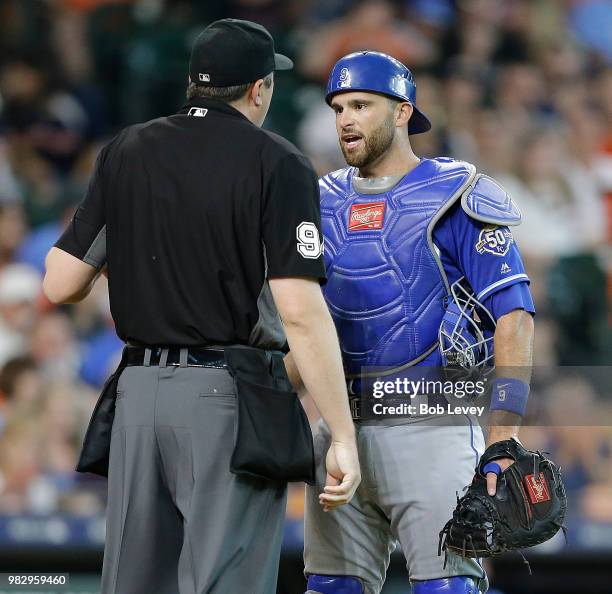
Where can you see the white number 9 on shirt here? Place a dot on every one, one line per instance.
(309, 242)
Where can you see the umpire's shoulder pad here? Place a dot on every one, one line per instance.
(485, 200)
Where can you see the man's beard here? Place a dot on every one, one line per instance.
(374, 145)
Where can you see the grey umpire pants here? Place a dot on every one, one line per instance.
(178, 522)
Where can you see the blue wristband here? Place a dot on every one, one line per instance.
(510, 394)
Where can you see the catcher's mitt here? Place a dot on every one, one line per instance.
(528, 508)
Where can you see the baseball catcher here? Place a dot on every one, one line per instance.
(423, 273)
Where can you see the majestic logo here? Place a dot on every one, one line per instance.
(366, 216)
(344, 78)
(494, 240)
(505, 269)
(537, 487)
(204, 77)
(198, 112)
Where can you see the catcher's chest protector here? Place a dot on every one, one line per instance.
(385, 287)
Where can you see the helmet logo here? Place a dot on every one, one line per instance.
(344, 78)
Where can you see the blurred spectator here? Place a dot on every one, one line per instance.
(564, 223)
(9, 190)
(54, 348)
(462, 96)
(561, 206)
(41, 187)
(60, 428)
(494, 143)
(20, 464)
(12, 230)
(317, 133)
(102, 350)
(580, 435)
(37, 243)
(378, 29)
(520, 95)
(39, 117)
(596, 503)
(20, 289)
(471, 45)
(39, 240)
(20, 388)
(563, 67)
(591, 21)
(433, 17)
(603, 92)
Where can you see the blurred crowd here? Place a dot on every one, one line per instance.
(521, 88)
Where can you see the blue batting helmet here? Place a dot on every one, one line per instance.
(377, 73)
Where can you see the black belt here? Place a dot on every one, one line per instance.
(192, 356)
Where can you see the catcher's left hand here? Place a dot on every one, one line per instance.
(527, 509)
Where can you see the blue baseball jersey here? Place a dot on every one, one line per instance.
(488, 257)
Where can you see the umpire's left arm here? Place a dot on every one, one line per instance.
(67, 279)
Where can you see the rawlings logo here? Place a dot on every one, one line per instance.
(495, 240)
(537, 487)
(366, 216)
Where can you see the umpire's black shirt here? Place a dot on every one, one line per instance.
(197, 210)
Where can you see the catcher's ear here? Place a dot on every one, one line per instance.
(403, 114)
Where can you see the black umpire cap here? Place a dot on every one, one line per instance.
(234, 52)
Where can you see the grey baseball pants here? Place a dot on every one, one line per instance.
(410, 476)
(178, 522)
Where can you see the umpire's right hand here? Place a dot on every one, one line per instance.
(343, 475)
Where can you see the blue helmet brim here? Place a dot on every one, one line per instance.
(419, 122)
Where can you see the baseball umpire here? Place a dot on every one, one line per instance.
(209, 228)
(412, 247)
